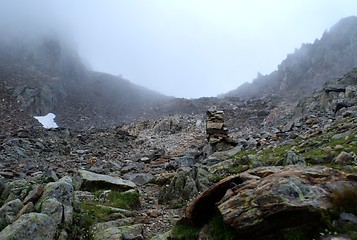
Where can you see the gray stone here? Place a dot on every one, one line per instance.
(53, 209)
(292, 158)
(132, 232)
(348, 217)
(29, 207)
(343, 157)
(185, 186)
(9, 211)
(351, 92)
(184, 161)
(61, 190)
(63, 235)
(84, 196)
(162, 236)
(168, 125)
(35, 226)
(86, 180)
(98, 227)
(15, 189)
(57, 200)
(139, 178)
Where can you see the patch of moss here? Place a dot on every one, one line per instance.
(314, 153)
(83, 218)
(217, 177)
(128, 200)
(184, 231)
(239, 155)
(274, 155)
(228, 170)
(93, 214)
(219, 230)
(313, 149)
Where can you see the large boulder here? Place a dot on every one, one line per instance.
(37, 226)
(186, 185)
(88, 181)
(263, 201)
(57, 201)
(117, 230)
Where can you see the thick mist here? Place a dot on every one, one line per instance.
(186, 48)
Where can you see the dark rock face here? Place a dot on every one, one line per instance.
(12, 117)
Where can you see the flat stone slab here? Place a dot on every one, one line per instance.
(87, 181)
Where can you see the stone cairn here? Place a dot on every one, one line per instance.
(217, 133)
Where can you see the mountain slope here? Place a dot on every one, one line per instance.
(45, 75)
(308, 67)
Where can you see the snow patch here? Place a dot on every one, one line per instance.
(47, 121)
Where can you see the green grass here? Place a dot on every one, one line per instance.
(311, 149)
(345, 200)
(127, 200)
(95, 214)
(184, 231)
(90, 213)
(273, 155)
(219, 230)
(243, 153)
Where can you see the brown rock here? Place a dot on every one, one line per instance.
(203, 207)
(271, 199)
(154, 213)
(310, 121)
(34, 195)
(214, 125)
(29, 207)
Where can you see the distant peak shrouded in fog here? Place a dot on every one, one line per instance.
(186, 48)
(305, 70)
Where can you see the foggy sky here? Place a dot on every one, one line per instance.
(181, 48)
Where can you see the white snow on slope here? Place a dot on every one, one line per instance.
(47, 121)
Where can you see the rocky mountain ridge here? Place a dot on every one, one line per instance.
(308, 67)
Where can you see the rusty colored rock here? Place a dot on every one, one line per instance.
(264, 200)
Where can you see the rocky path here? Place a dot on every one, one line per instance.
(157, 218)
